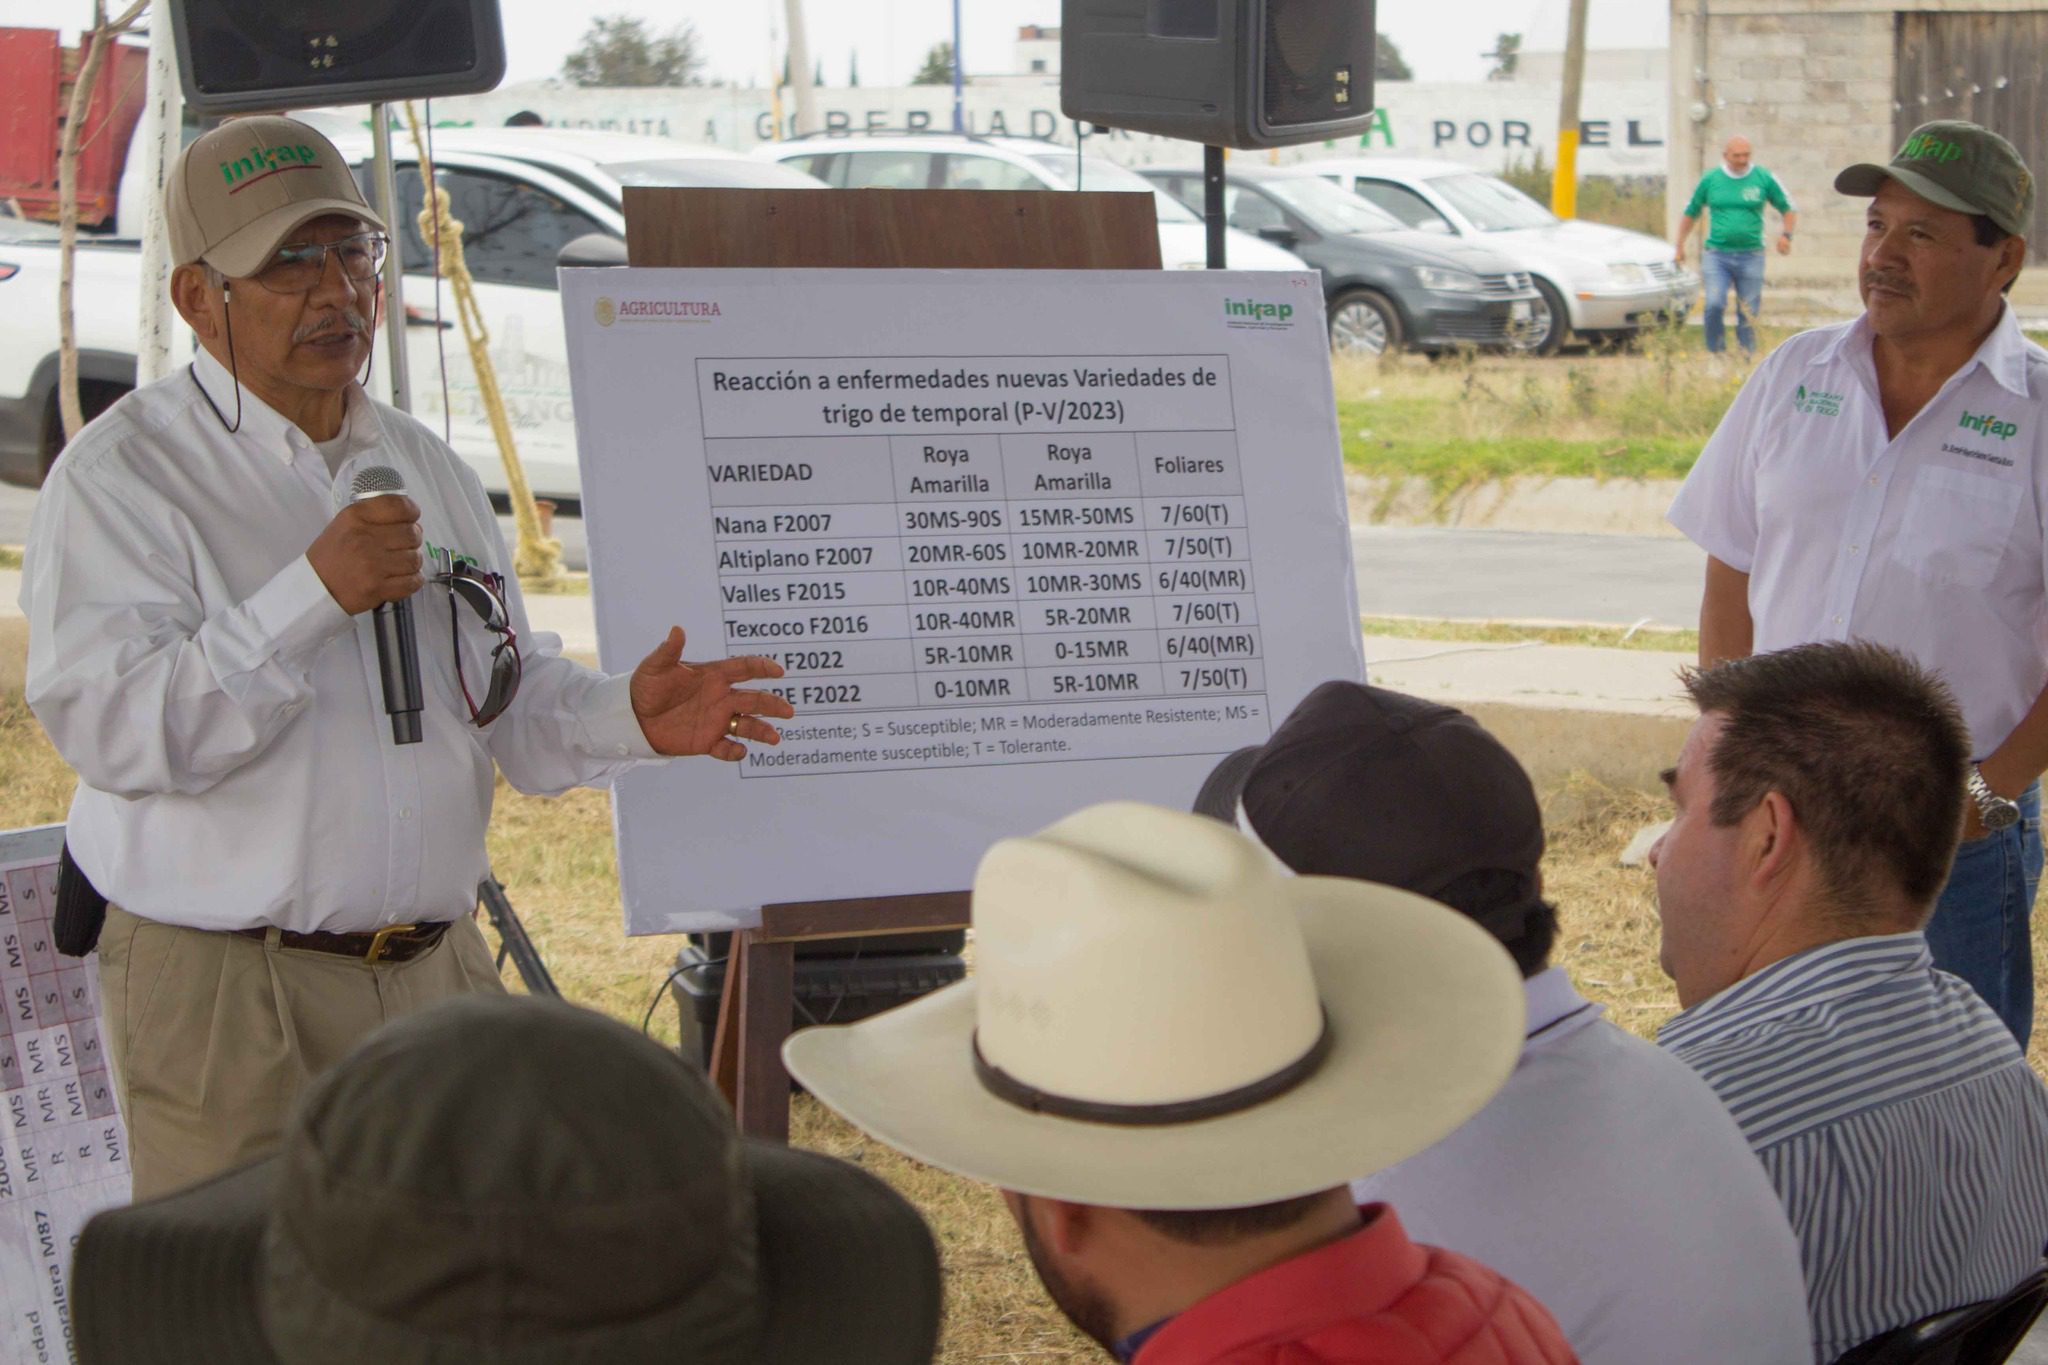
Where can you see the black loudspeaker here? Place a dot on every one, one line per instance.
(1228, 73)
(241, 55)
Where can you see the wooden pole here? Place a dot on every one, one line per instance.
(1564, 186)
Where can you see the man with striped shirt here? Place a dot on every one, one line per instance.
(1819, 801)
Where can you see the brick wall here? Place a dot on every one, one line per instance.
(1810, 84)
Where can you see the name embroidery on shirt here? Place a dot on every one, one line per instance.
(1816, 402)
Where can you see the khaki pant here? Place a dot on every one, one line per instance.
(214, 1035)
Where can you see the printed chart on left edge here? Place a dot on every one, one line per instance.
(63, 1149)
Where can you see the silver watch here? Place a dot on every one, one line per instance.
(1995, 811)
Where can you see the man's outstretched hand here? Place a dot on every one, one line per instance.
(690, 708)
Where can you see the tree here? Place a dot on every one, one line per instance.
(98, 39)
(1507, 50)
(620, 50)
(937, 68)
(1387, 62)
(818, 74)
(853, 71)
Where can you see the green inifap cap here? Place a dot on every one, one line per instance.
(1956, 165)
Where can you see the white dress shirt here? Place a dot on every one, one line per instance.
(1610, 1183)
(1931, 542)
(225, 716)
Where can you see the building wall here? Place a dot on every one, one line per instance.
(1811, 84)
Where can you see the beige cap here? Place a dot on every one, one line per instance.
(240, 190)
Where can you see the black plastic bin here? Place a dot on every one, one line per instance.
(837, 980)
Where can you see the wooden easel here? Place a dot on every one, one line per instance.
(858, 229)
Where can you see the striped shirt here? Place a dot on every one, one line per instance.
(1898, 1120)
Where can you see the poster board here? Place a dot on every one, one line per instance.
(63, 1148)
(1023, 540)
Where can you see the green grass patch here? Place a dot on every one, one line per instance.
(1467, 419)
(1512, 633)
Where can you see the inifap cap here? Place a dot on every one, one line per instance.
(1955, 165)
(240, 190)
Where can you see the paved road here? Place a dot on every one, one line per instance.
(1526, 576)
(1402, 571)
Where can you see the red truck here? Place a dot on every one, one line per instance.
(37, 74)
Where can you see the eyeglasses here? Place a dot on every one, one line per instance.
(485, 595)
(301, 266)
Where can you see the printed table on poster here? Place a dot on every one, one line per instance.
(63, 1151)
(1021, 541)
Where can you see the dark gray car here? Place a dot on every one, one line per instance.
(1384, 284)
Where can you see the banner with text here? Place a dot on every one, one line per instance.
(1022, 541)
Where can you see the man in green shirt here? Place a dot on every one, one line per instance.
(1735, 193)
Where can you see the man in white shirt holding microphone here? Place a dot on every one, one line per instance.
(286, 871)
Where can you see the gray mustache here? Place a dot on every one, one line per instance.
(322, 328)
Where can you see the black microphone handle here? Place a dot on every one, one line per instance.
(398, 660)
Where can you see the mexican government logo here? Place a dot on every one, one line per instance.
(655, 310)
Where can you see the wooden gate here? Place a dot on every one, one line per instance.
(1986, 68)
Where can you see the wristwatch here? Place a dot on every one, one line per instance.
(1995, 811)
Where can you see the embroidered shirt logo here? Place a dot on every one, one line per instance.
(1818, 402)
(1989, 425)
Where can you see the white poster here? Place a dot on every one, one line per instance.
(1023, 541)
(63, 1150)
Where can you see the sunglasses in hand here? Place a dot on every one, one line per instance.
(484, 593)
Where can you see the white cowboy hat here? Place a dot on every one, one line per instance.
(1161, 1018)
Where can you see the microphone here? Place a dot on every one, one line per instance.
(398, 645)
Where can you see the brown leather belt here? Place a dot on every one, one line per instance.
(392, 943)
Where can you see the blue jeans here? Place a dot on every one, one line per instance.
(1980, 928)
(1742, 271)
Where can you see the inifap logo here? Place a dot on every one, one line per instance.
(1252, 313)
(268, 160)
(1927, 148)
(1989, 425)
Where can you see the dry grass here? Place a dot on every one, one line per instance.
(555, 858)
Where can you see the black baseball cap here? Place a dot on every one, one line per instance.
(1383, 787)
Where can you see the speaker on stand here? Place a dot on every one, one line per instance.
(1225, 73)
(243, 56)
(237, 56)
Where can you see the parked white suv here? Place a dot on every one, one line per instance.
(947, 161)
(1604, 283)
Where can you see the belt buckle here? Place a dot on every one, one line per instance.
(379, 938)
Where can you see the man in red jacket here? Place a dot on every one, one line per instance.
(1179, 1165)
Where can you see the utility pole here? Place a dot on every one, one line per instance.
(959, 119)
(800, 69)
(1564, 187)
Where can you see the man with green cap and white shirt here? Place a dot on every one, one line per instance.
(1886, 479)
(1733, 195)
